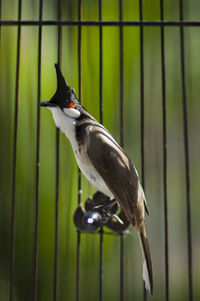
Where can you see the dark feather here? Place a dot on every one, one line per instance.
(147, 255)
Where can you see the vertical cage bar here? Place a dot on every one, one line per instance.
(101, 265)
(186, 152)
(122, 266)
(121, 74)
(121, 136)
(0, 19)
(142, 91)
(79, 51)
(79, 172)
(78, 266)
(35, 267)
(56, 243)
(142, 118)
(101, 121)
(100, 64)
(164, 125)
(15, 135)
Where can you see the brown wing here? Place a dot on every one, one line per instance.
(115, 168)
(119, 174)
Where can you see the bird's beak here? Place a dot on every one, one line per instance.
(46, 104)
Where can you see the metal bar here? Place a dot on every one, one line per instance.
(186, 150)
(100, 64)
(13, 194)
(121, 75)
(79, 172)
(55, 279)
(35, 264)
(164, 124)
(79, 50)
(122, 266)
(101, 121)
(142, 106)
(121, 136)
(101, 265)
(97, 23)
(78, 266)
(142, 92)
(0, 20)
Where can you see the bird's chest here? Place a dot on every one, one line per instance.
(89, 171)
(87, 167)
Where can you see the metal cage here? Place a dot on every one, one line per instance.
(79, 23)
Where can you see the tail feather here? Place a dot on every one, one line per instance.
(147, 265)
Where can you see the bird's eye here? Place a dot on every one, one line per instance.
(71, 105)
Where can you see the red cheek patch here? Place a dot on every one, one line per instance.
(71, 105)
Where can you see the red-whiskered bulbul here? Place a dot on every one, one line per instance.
(103, 162)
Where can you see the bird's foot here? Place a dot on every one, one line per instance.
(100, 211)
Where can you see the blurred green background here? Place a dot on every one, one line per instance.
(26, 148)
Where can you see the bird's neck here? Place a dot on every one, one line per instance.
(65, 123)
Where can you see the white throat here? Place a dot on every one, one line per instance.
(65, 123)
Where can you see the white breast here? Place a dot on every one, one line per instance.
(67, 126)
(90, 172)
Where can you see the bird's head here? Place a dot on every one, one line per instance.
(64, 99)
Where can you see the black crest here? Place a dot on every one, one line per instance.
(64, 93)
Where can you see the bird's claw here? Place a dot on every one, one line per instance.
(100, 211)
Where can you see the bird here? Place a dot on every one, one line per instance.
(102, 161)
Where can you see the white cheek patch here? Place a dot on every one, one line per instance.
(72, 112)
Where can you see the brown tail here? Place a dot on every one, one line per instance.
(147, 265)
